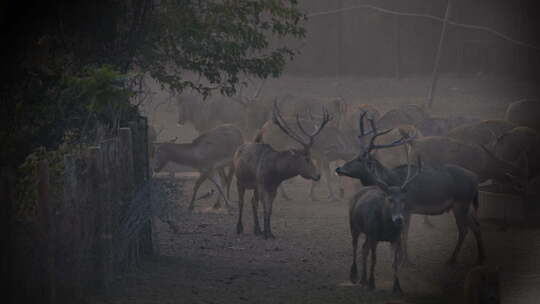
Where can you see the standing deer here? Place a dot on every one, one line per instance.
(436, 190)
(260, 168)
(378, 212)
(330, 145)
(209, 154)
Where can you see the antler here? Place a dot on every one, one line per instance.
(280, 122)
(372, 146)
(409, 179)
(325, 119)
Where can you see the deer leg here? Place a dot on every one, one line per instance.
(312, 191)
(365, 253)
(354, 272)
(255, 206)
(427, 222)
(404, 239)
(217, 183)
(373, 247)
(474, 225)
(198, 182)
(283, 193)
(461, 215)
(325, 167)
(228, 180)
(268, 199)
(221, 176)
(241, 192)
(395, 265)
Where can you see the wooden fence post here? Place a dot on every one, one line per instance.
(99, 197)
(72, 283)
(6, 196)
(45, 225)
(435, 74)
(126, 154)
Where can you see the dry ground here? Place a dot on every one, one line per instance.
(205, 261)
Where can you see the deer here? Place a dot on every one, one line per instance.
(524, 113)
(209, 154)
(436, 190)
(378, 212)
(483, 132)
(260, 168)
(330, 145)
(518, 143)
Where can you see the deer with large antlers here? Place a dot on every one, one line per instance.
(260, 168)
(378, 212)
(436, 190)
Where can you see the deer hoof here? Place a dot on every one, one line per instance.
(363, 282)
(354, 276)
(269, 235)
(239, 229)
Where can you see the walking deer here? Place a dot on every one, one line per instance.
(209, 154)
(260, 168)
(437, 189)
(378, 213)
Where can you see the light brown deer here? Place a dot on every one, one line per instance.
(260, 168)
(209, 154)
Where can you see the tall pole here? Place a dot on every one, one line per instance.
(339, 70)
(435, 74)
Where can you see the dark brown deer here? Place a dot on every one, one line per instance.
(436, 190)
(260, 168)
(378, 213)
(209, 154)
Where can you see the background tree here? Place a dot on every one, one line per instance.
(59, 51)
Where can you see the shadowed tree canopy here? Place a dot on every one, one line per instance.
(51, 45)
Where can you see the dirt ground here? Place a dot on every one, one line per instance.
(203, 260)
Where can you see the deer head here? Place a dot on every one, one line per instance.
(396, 195)
(306, 167)
(364, 164)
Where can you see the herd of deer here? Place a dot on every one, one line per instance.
(454, 155)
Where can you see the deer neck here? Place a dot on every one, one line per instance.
(370, 168)
(285, 166)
